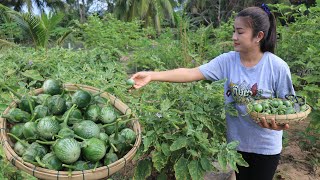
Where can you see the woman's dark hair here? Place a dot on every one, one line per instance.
(262, 20)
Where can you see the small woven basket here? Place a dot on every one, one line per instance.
(99, 173)
(281, 119)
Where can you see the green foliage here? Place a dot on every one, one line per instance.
(37, 28)
(183, 47)
(8, 171)
(111, 33)
(28, 69)
(299, 47)
(183, 124)
(184, 128)
(10, 31)
(151, 12)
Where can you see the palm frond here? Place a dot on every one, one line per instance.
(5, 43)
(157, 22)
(29, 23)
(167, 7)
(128, 5)
(52, 19)
(144, 7)
(63, 37)
(33, 26)
(29, 5)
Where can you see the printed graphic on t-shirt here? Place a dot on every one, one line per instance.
(243, 93)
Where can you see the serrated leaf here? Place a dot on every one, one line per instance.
(193, 152)
(233, 165)
(181, 142)
(233, 145)
(206, 164)
(159, 160)
(147, 142)
(143, 170)
(166, 104)
(33, 74)
(240, 161)
(181, 169)
(10, 72)
(168, 136)
(195, 170)
(222, 160)
(165, 149)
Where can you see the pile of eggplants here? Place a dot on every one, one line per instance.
(68, 130)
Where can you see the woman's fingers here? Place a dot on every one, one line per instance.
(141, 79)
(272, 125)
(263, 123)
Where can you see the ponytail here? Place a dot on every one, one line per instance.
(269, 44)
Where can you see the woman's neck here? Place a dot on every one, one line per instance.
(250, 59)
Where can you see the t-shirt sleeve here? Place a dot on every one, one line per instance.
(284, 83)
(214, 70)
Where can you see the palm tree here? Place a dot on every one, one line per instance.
(150, 11)
(39, 4)
(216, 11)
(37, 27)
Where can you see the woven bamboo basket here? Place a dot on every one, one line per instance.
(98, 173)
(281, 119)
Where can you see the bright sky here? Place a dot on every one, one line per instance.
(97, 6)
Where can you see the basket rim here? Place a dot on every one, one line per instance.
(101, 172)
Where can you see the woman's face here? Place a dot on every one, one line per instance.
(242, 36)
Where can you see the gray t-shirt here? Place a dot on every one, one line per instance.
(271, 77)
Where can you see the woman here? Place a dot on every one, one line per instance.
(252, 72)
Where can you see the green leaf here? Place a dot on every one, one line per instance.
(10, 72)
(233, 145)
(240, 161)
(159, 160)
(166, 104)
(162, 176)
(193, 153)
(195, 170)
(168, 136)
(222, 160)
(148, 141)
(165, 149)
(206, 164)
(181, 142)
(181, 169)
(33, 74)
(143, 170)
(233, 165)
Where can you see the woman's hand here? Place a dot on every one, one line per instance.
(264, 124)
(141, 79)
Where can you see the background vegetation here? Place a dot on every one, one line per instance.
(183, 123)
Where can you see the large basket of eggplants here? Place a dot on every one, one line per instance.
(69, 131)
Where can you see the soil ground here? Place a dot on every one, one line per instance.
(295, 163)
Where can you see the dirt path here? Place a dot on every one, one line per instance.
(294, 163)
